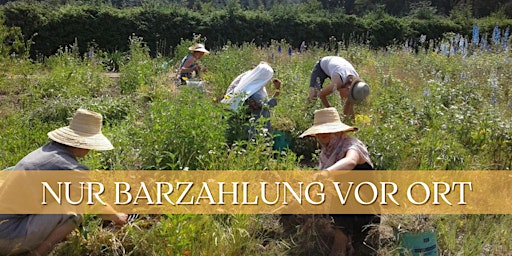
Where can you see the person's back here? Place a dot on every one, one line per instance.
(337, 65)
(248, 90)
(247, 84)
(37, 233)
(51, 156)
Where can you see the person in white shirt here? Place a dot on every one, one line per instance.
(344, 79)
(248, 89)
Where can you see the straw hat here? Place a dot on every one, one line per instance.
(198, 48)
(327, 120)
(84, 131)
(358, 92)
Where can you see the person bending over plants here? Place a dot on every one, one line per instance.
(247, 93)
(344, 79)
(36, 234)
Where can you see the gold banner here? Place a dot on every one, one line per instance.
(256, 192)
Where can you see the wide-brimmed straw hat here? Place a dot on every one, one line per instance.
(358, 92)
(198, 48)
(84, 131)
(327, 120)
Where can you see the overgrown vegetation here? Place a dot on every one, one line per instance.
(426, 111)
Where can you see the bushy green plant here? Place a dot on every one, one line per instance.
(165, 25)
(68, 76)
(20, 136)
(139, 70)
(113, 61)
(178, 131)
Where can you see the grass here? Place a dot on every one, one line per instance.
(426, 111)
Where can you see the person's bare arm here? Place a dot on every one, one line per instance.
(335, 83)
(114, 216)
(350, 161)
(348, 109)
(117, 218)
(326, 91)
(277, 87)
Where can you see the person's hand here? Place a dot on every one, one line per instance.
(117, 218)
(277, 83)
(120, 218)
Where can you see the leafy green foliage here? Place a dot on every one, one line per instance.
(425, 111)
(139, 69)
(182, 137)
(164, 27)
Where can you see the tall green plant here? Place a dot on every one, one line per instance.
(139, 70)
(180, 132)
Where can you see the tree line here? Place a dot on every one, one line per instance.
(46, 28)
(398, 8)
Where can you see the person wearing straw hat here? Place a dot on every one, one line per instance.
(339, 151)
(344, 79)
(189, 63)
(36, 234)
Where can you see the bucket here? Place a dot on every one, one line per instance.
(282, 140)
(416, 244)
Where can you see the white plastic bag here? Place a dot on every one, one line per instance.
(250, 83)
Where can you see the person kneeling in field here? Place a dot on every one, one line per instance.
(36, 234)
(339, 151)
(248, 90)
(189, 64)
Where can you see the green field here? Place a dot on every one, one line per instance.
(426, 111)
